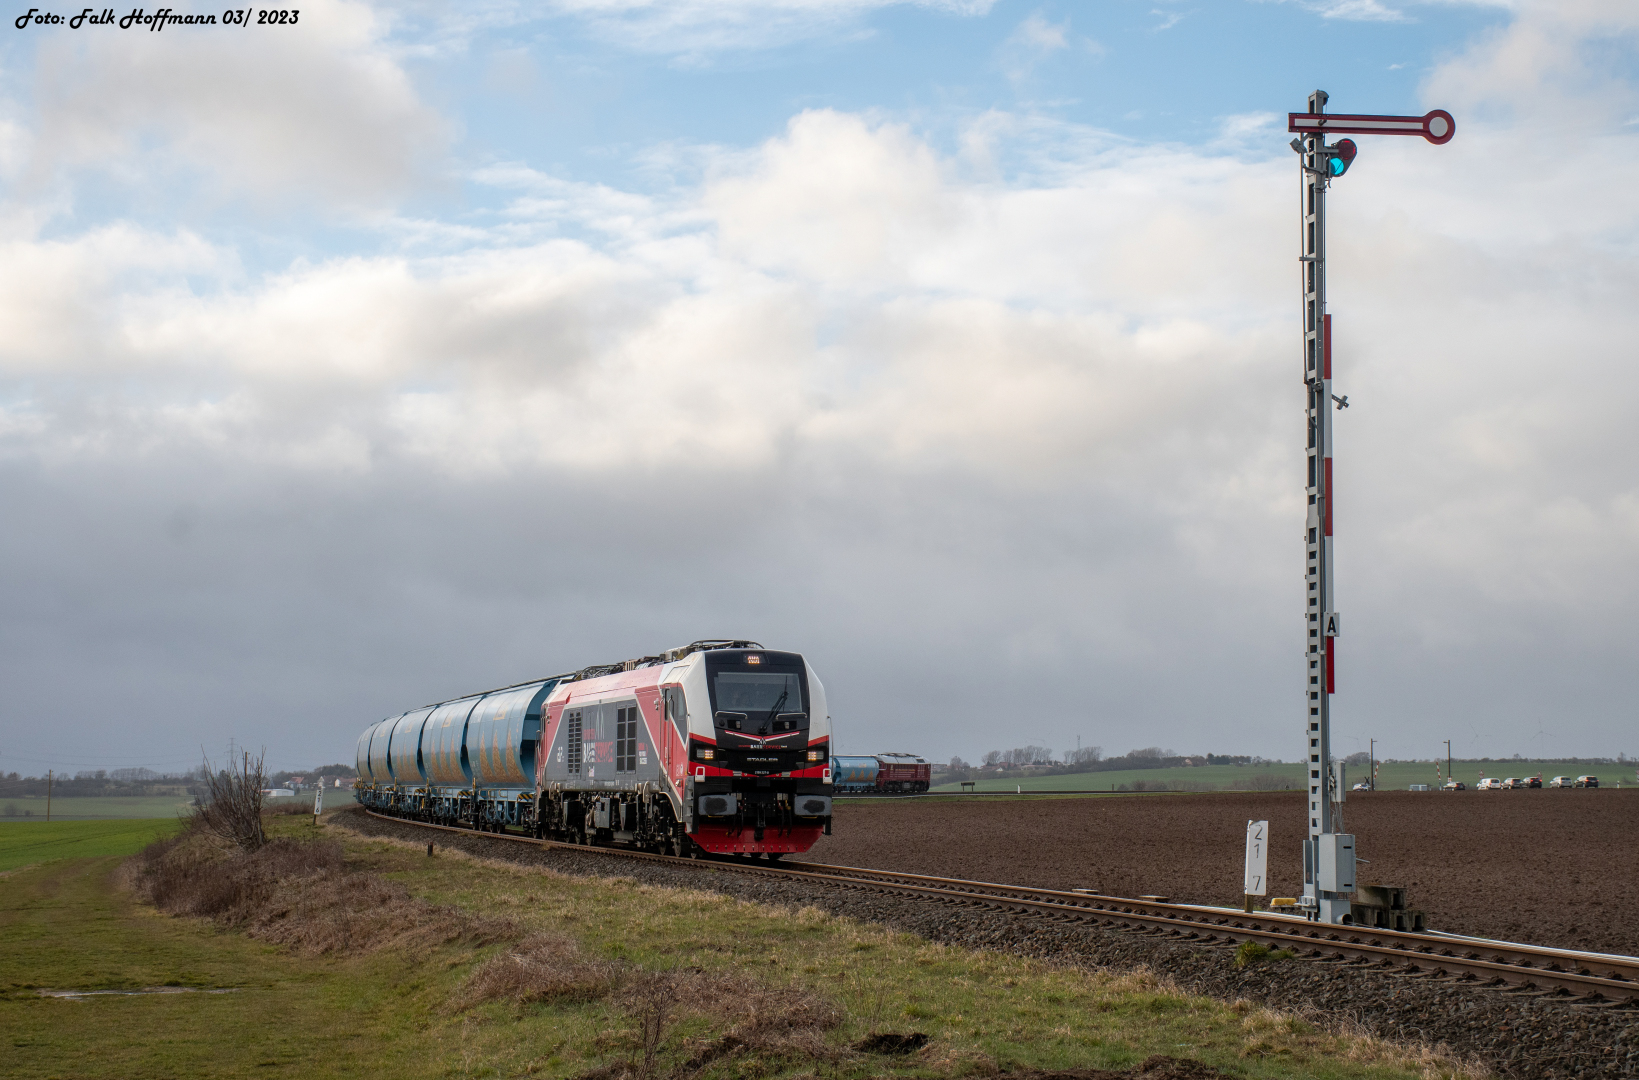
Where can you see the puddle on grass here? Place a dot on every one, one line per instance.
(75, 995)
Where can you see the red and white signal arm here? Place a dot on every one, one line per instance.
(1437, 126)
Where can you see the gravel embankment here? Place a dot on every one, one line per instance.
(1515, 1033)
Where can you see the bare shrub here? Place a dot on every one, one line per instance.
(1271, 782)
(232, 807)
(652, 1001)
(542, 967)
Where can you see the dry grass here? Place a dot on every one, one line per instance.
(542, 967)
(745, 1018)
(1274, 1033)
(298, 894)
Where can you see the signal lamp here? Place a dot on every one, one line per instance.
(1340, 156)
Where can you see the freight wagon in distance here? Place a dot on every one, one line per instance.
(888, 773)
(720, 747)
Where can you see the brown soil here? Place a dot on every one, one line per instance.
(1547, 867)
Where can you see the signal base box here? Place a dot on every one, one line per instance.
(1335, 862)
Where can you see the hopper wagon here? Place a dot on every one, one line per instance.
(719, 747)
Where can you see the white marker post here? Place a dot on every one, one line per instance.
(1257, 861)
(318, 802)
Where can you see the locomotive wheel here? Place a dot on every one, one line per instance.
(775, 856)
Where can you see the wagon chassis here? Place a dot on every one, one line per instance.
(1576, 977)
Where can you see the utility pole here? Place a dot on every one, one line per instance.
(1328, 855)
(1372, 755)
(48, 794)
(1449, 775)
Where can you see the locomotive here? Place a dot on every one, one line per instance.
(719, 747)
(882, 772)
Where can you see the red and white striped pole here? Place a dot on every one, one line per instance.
(1328, 855)
(1326, 899)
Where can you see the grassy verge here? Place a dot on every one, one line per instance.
(592, 977)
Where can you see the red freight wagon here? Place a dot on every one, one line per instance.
(903, 772)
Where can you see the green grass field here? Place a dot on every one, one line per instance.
(1391, 776)
(68, 926)
(30, 809)
(25, 843)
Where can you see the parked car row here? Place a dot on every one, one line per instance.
(1499, 783)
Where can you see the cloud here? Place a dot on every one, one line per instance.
(1038, 34)
(701, 27)
(992, 450)
(1032, 41)
(326, 115)
(1350, 10)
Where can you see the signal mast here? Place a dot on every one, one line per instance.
(1328, 855)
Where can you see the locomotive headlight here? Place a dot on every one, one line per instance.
(706, 753)
(813, 755)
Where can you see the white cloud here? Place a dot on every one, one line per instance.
(1351, 10)
(326, 114)
(1038, 34)
(1032, 41)
(702, 27)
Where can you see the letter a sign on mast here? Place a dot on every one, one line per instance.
(1325, 891)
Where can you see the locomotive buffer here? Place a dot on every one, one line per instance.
(1328, 855)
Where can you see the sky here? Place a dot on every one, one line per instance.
(411, 350)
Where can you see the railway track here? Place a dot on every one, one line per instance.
(1586, 978)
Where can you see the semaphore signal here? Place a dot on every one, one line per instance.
(1328, 853)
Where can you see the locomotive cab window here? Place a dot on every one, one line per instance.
(762, 698)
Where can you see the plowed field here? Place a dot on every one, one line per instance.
(1547, 867)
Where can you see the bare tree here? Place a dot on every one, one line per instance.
(232, 806)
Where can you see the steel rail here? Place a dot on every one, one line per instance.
(1469, 959)
(1621, 969)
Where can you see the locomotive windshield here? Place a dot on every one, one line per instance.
(758, 693)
